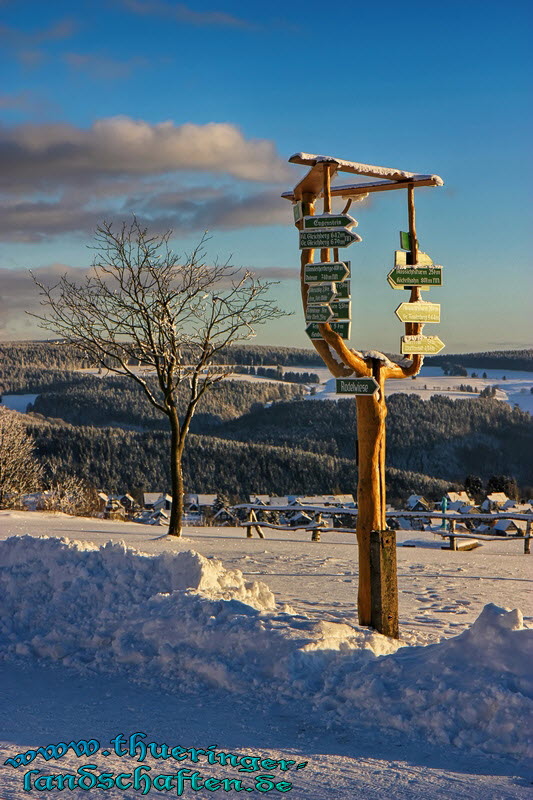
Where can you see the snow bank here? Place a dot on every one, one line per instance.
(474, 690)
(179, 620)
(111, 605)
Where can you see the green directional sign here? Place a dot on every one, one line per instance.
(340, 309)
(400, 277)
(418, 312)
(329, 221)
(342, 328)
(405, 240)
(421, 345)
(322, 292)
(318, 313)
(336, 237)
(326, 272)
(357, 386)
(343, 290)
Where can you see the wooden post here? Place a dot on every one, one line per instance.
(371, 496)
(345, 362)
(253, 518)
(453, 540)
(315, 537)
(527, 538)
(324, 253)
(412, 328)
(384, 583)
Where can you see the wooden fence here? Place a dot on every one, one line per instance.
(318, 525)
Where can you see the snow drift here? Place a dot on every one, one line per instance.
(178, 620)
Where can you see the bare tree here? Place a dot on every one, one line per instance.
(67, 493)
(143, 313)
(19, 470)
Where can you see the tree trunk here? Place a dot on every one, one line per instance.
(371, 413)
(176, 478)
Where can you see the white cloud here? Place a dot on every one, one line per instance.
(39, 155)
(58, 179)
(183, 211)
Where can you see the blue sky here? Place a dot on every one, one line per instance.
(186, 114)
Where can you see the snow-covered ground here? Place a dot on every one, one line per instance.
(194, 652)
(18, 402)
(515, 390)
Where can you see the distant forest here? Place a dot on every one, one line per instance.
(118, 401)
(260, 436)
(116, 460)
(441, 437)
(521, 360)
(55, 355)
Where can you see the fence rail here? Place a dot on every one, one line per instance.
(318, 525)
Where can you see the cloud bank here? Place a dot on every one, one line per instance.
(60, 179)
(19, 294)
(117, 146)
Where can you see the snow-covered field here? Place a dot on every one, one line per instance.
(259, 655)
(515, 390)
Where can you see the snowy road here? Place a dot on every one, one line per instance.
(441, 594)
(52, 705)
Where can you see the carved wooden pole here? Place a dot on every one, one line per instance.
(344, 362)
(371, 499)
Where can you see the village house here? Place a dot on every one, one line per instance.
(259, 499)
(494, 501)
(417, 503)
(509, 527)
(459, 497)
(225, 517)
(157, 501)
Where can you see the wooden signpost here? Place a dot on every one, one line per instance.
(414, 275)
(331, 237)
(364, 375)
(341, 329)
(340, 309)
(321, 293)
(318, 313)
(323, 272)
(418, 312)
(330, 221)
(357, 386)
(423, 345)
